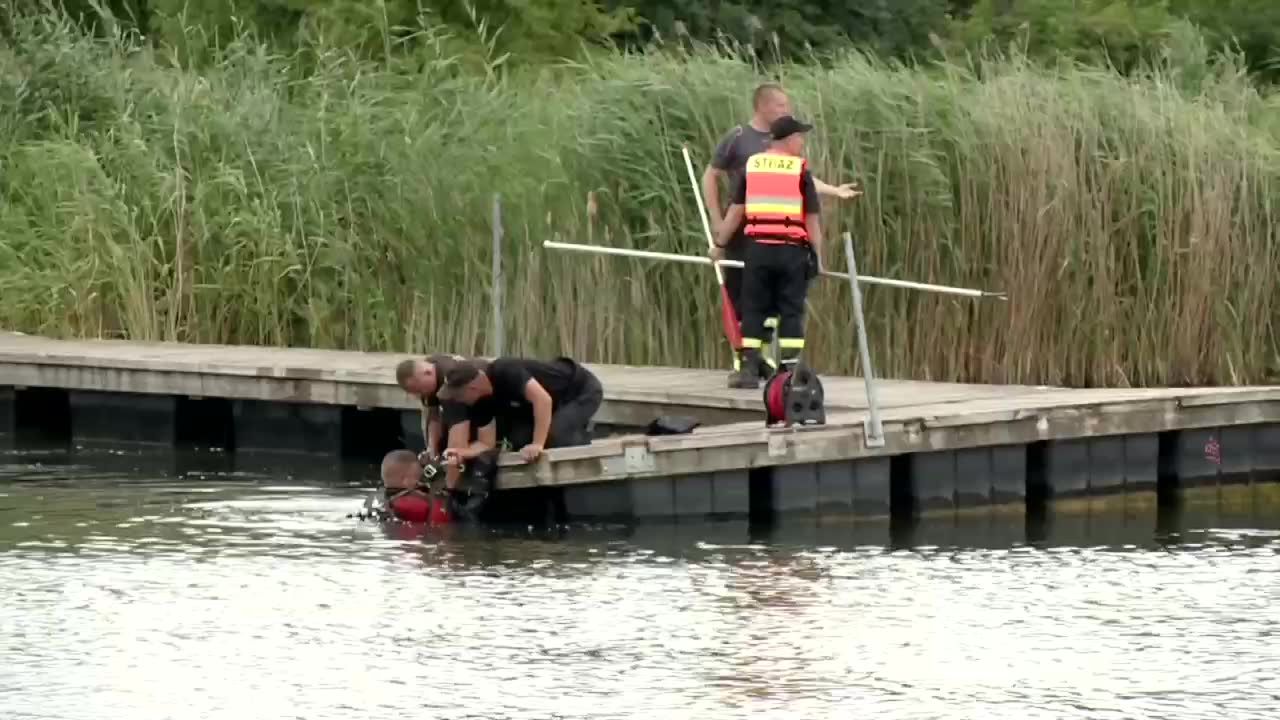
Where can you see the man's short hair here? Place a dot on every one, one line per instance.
(405, 370)
(396, 460)
(762, 90)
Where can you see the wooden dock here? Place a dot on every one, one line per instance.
(947, 446)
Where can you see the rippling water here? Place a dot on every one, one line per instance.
(246, 596)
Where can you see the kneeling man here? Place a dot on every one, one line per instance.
(535, 404)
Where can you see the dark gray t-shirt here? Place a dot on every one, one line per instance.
(737, 145)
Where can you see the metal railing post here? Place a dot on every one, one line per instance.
(498, 339)
(873, 431)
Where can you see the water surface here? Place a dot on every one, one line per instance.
(131, 592)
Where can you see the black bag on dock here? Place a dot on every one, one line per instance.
(672, 425)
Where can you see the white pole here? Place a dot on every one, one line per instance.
(699, 260)
(873, 433)
(498, 339)
(702, 209)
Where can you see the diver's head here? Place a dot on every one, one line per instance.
(401, 470)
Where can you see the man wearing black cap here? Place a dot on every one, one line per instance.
(535, 404)
(778, 202)
(729, 160)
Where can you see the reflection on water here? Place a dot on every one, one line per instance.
(127, 592)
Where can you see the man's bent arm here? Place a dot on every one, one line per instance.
(458, 435)
(730, 225)
(486, 440)
(432, 430)
(541, 402)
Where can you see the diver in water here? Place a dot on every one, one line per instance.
(410, 496)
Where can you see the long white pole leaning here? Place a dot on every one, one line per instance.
(873, 431)
(702, 209)
(498, 281)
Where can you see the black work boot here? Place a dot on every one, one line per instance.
(748, 376)
(735, 375)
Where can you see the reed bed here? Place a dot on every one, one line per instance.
(319, 199)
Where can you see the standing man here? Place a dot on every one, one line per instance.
(536, 404)
(769, 102)
(776, 202)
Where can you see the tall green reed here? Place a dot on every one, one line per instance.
(317, 199)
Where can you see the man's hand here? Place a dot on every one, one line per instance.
(847, 191)
(716, 252)
(426, 457)
(844, 192)
(531, 452)
(453, 457)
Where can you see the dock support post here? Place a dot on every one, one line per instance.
(498, 339)
(874, 431)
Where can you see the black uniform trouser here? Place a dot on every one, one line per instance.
(775, 280)
(570, 420)
(738, 249)
(735, 250)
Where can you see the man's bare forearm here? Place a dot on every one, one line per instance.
(457, 439)
(711, 194)
(730, 225)
(432, 430)
(814, 227)
(541, 421)
(474, 450)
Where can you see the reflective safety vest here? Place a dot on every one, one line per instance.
(775, 202)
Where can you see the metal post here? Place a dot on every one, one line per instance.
(498, 282)
(873, 430)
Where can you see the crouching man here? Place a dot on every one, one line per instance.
(421, 378)
(534, 404)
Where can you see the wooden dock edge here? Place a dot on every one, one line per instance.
(948, 448)
(740, 447)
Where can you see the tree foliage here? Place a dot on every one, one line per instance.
(1124, 34)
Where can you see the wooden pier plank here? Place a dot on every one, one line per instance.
(676, 387)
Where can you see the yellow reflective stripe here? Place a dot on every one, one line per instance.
(791, 343)
(774, 208)
(751, 342)
(774, 199)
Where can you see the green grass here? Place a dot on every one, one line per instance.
(316, 199)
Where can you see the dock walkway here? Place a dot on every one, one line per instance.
(947, 446)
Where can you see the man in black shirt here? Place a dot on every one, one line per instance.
(535, 404)
(421, 377)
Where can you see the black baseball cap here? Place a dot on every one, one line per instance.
(786, 126)
(457, 375)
